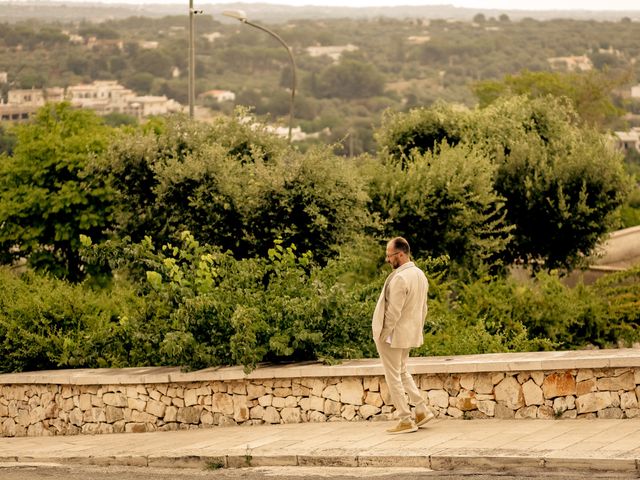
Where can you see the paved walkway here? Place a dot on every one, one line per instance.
(476, 445)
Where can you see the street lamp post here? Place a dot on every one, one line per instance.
(242, 16)
(192, 57)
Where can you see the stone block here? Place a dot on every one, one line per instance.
(571, 402)
(432, 382)
(488, 407)
(351, 391)
(282, 392)
(115, 399)
(265, 400)
(240, 408)
(332, 407)
(154, 394)
(611, 413)
(372, 384)
(452, 385)
(282, 383)
(625, 382)
(468, 380)
(331, 393)
(586, 386)
(318, 417)
(484, 384)
(466, 401)
(84, 402)
(135, 428)
(559, 405)
(584, 374)
(278, 402)
(438, 398)
(504, 412)
(632, 413)
(206, 418)
(304, 404)
(509, 393)
(367, 411)
(240, 388)
(155, 408)
(189, 415)
(374, 399)
(348, 412)
(527, 412)
(496, 377)
(559, 385)
(532, 393)
(537, 377)
(255, 391)
(257, 412)
(222, 403)
(522, 377)
(291, 401)
(454, 412)
(190, 397)
(271, 415)
(136, 404)
(113, 414)
(300, 390)
(316, 403)
(546, 412)
(593, 402)
(628, 400)
(142, 417)
(171, 414)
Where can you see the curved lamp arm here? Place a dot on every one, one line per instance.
(242, 17)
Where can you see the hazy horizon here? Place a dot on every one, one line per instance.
(548, 5)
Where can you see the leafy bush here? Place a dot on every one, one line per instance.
(444, 204)
(48, 323)
(562, 183)
(233, 186)
(48, 194)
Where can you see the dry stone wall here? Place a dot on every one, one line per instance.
(50, 409)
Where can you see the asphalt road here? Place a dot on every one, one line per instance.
(48, 472)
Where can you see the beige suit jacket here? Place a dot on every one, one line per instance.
(402, 308)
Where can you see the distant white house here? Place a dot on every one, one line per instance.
(635, 91)
(418, 39)
(148, 44)
(211, 37)
(35, 97)
(332, 51)
(626, 141)
(576, 63)
(219, 95)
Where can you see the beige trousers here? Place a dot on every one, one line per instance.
(399, 381)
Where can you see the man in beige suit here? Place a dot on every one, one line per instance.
(397, 325)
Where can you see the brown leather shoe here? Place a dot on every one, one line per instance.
(423, 417)
(404, 426)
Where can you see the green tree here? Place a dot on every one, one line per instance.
(590, 93)
(48, 195)
(562, 182)
(444, 204)
(350, 79)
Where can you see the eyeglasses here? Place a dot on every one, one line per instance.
(393, 254)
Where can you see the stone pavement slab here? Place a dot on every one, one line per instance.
(477, 445)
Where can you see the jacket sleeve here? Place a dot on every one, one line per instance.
(397, 296)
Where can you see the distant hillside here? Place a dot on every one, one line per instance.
(70, 11)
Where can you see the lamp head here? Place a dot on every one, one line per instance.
(237, 14)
